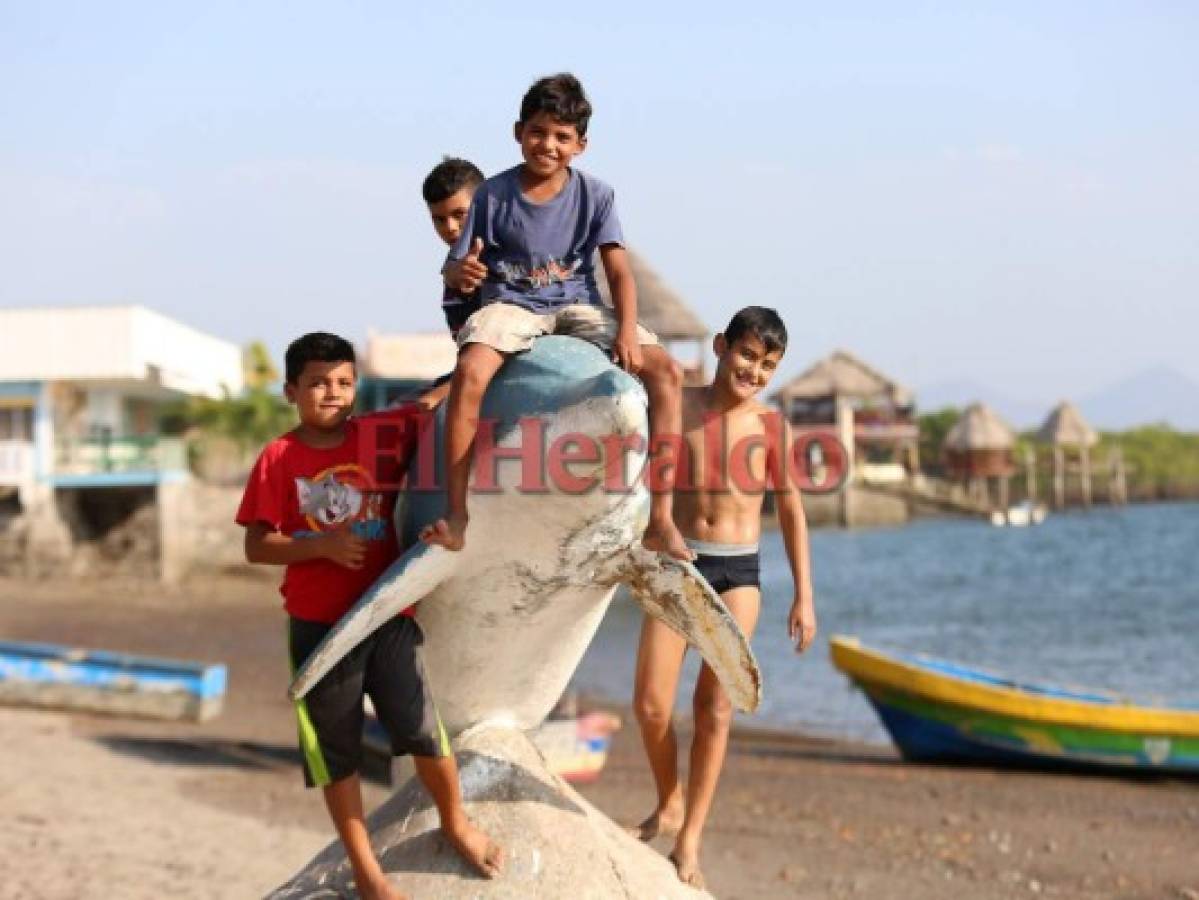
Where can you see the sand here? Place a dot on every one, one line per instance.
(118, 808)
(87, 817)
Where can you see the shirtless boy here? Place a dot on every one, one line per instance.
(737, 448)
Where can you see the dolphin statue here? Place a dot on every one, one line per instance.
(507, 619)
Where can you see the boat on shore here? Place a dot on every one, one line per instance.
(938, 711)
(58, 676)
(574, 746)
(1020, 515)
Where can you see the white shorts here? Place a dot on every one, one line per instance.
(509, 328)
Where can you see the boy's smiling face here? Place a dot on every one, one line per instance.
(547, 145)
(744, 367)
(449, 215)
(323, 394)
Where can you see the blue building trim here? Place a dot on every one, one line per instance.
(378, 393)
(43, 428)
(116, 479)
(25, 389)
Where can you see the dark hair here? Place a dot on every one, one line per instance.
(448, 177)
(763, 323)
(562, 97)
(316, 346)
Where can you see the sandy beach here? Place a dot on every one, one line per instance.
(117, 808)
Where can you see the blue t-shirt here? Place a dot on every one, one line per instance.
(457, 308)
(540, 255)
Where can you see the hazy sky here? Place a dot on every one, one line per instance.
(1009, 193)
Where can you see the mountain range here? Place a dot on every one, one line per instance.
(1154, 395)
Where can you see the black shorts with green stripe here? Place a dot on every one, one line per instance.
(387, 668)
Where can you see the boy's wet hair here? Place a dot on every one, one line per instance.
(448, 177)
(761, 322)
(562, 97)
(316, 346)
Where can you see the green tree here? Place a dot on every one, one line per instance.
(1162, 463)
(933, 428)
(246, 420)
(258, 370)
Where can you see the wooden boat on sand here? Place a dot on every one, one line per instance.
(54, 676)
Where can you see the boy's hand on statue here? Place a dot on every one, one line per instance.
(626, 351)
(801, 625)
(344, 547)
(468, 273)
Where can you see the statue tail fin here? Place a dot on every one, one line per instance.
(675, 593)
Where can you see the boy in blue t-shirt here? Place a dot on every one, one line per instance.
(529, 249)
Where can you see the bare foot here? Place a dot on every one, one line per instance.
(686, 863)
(380, 889)
(476, 848)
(666, 820)
(449, 532)
(665, 537)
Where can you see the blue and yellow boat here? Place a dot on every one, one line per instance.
(942, 711)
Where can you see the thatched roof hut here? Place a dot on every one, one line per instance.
(979, 445)
(667, 315)
(1065, 427)
(841, 374)
(980, 428)
(659, 308)
(872, 413)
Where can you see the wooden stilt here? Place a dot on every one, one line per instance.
(1113, 489)
(845, 432)
(1059, 477)
(1121, 482)
(1084, 457)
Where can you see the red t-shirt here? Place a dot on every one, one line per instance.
(302, 491)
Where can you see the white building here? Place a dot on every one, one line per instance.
(81, 390)
(396, 365)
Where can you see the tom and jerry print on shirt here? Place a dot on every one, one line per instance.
(342, 496)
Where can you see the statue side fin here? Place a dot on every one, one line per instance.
(406, 581)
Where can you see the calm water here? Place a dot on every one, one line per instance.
(1104, 599)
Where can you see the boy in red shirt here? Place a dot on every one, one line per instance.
(312, 506)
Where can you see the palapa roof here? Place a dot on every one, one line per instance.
(659, 308)
(844, 375)
(979, 428)
(1066, 427)
(417, 356)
